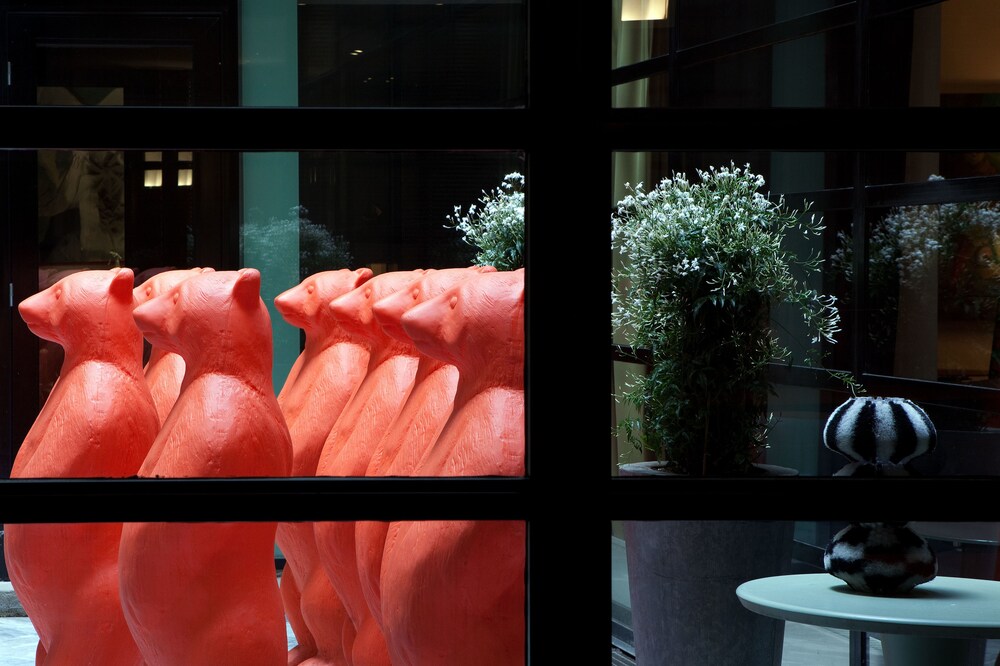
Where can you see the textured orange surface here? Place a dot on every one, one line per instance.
(206, 593)
(164, 370)
(453, 591)
(348, 450)
(323, 379)
(99, 421)
(419, 423)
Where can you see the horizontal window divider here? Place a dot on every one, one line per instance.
(806, 376)
(944, 394)
(629, 354)
(803, 129)
(814, 498)
(785, 31)
(953, 190)
(266, 128)
(880, 8)
(263, 499)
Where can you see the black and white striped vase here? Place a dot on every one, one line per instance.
(884, 559)
(880, 436)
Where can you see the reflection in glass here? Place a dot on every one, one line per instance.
(934, 283)
(418, 54)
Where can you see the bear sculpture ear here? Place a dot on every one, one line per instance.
(122, 284)
(246, 289)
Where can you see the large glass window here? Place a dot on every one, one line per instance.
(298, 191)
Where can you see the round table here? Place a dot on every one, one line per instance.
(937, 623)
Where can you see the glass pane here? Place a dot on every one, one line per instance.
(914, 167)
(932, 274)
(412, 53)
(813, 71)
(940, 55)
(389, 53)
(326, 223)
(699, 22)
(64, 603)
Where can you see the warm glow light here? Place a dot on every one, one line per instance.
(644, 10)
(185, 177)
(154, 156)
(154, 178)
(185, 156)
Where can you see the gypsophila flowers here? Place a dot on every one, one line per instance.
(495, 226)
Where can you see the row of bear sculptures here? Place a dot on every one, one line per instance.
(403, 373)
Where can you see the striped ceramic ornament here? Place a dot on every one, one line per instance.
(879, 435)
(880, 558)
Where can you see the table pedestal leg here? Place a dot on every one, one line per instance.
(916, 650)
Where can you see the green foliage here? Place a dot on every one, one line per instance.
(495, 226)
(701, 266)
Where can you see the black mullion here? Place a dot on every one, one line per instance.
(805, 129)
(297, 499)
(262, 128)
(803, 498)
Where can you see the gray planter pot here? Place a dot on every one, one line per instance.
(683, 577)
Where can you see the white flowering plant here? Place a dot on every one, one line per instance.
(495, 225)
(701, 265)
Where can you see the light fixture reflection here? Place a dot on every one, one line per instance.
(153, 178)
(644, 10)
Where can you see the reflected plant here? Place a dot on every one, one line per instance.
(495, 225)
(319, 250)
(958, 243)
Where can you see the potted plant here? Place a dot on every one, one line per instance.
(495, 225)
(701, 266)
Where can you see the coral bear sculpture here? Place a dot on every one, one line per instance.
(348, 450)
(477, 325)
(226, 423)
(321, 382)
(419, 423)
(164, 370)
(98, 421)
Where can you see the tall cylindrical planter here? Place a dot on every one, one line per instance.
(683, 577)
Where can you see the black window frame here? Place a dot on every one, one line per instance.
(561, 82)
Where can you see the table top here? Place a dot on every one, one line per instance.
(945, 606)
